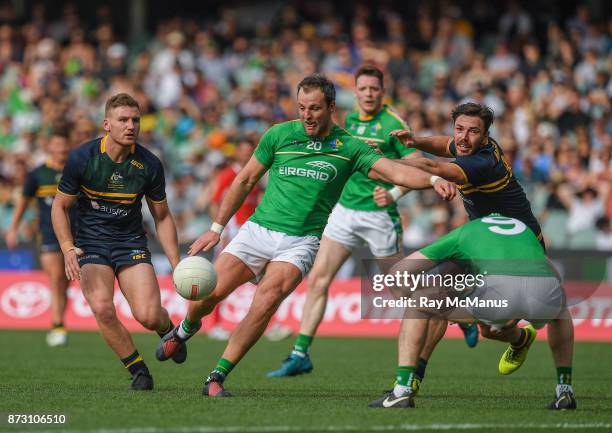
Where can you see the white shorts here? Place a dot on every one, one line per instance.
(256, 246)
(231, 230)
(379, 230)
(535, 299)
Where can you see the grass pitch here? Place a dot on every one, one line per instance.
(461, 392)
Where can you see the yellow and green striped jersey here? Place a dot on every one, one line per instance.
(41, 183)
(110, 193)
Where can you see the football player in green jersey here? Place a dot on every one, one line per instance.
(41, 184)
(486, 184)
(309, 160)
(512, 279)
(107, 178)
(356, 219)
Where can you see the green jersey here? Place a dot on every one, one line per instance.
(357, 193)
(307, 175)
(493, 245)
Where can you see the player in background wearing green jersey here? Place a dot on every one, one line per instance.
(41, 184)
(487, 185)
(309, 160)
(356, 219)
(514, 270)
(107, 178)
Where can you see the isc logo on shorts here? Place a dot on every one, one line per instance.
(138, 255)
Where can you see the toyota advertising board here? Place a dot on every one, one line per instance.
(25, 300)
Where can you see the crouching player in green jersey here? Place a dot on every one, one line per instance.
(309, 160)
(108, 177)
(487, 185)
(513, 280)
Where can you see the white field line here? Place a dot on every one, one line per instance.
(331, 428)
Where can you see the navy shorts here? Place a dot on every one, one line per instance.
(48, 242)
(114, 254)
(51, 247)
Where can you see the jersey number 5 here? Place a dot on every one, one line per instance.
(505, 226)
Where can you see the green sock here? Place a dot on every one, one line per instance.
(564, 375)
(420, 368)
(224, 367)
(302, 343)
(404, 374)
(190, 327)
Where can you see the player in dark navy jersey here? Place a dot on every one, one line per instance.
(492, 187)
(487, 185)
(41, 183)
(108, 177)
(109, 206)
(484, 177)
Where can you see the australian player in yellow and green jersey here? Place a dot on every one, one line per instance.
(512, 279)
(107, 178)
(485, 179)
(356, 220)
(310, 161)
(41, 184)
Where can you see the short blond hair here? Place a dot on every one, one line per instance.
(120, 100)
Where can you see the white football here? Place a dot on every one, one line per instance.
(194, 278)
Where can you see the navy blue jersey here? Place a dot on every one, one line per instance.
(492, 187)
(110, 193)
(41, 183)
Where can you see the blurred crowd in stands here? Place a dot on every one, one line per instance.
(206, 82)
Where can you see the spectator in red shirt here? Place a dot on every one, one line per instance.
(244, 150)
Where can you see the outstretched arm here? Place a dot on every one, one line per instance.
(447, 170)
(383, 197)
(396, 172)
(241, 187)
(436, 145)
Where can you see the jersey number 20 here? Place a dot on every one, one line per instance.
(314, 145)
